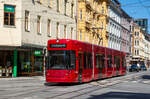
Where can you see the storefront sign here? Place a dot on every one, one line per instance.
(37, 53)
(57, 45)
(8, 8)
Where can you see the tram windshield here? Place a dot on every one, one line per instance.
(61, 59)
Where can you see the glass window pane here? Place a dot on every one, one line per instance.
(61, 59)
(6, 15)
(12, 19)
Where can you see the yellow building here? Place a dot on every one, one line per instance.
(92, 23)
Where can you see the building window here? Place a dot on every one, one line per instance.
(57, 5)
(9, 15)
(65, 31)
(49, 27)
(50, 3)
(137, 52)
(71, 32)
(80, 14)
(135, 43)
(39, 24)
(57, 29)
(102, 11)
(136, 33)
(80, 35)
(65, 7)
(27, 21)
(72, 10)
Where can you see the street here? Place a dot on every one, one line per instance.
(132, 86)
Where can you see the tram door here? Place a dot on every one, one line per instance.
(80, 67)
(117, 64)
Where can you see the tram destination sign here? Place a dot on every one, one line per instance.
(57, 45)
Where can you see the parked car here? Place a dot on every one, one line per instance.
(134, 67)
(143, 67)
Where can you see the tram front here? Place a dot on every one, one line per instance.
(61, 64)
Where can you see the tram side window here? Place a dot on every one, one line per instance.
(80, 61)
(109, 61)
(85, 61)
(97, 61)
(123, 62)
(100, 60)
(117, 61)
(89, 60)
(73, 59)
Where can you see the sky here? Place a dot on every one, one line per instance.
(137, 9)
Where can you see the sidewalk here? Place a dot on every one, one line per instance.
(25, 78)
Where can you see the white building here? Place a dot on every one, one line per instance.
(114, 40)
(119, 28)
(26, 26)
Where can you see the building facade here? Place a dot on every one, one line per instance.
(125, 35)
(119, 28)
(26, 26)
(114, 40)
(92, 21)
(140, 46)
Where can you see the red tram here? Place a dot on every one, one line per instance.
(72, 61)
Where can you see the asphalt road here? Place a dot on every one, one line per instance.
(132, 86)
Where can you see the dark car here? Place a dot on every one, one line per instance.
(143, 67)
(134, 68)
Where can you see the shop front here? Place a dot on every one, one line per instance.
(21, 62)
(30, 63)
(6, 63)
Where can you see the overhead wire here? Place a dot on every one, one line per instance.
(140, 3)
(131, 4)
(148, 11)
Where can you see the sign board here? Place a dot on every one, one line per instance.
(58, 46)
(9, 8)
(37, 53)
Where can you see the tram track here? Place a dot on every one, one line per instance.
(83, 91)
(27, 92)
(77, 92)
